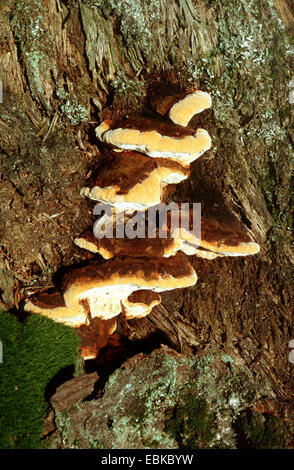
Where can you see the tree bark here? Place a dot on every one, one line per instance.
(63, 62)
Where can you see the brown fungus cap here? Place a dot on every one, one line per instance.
(101, 277)
(220, 236)
(168, 99)
(139, 246)
(156, 138)
(101, 288)
(53, 306)
(133, 181)
(140, 303)
(107, 284)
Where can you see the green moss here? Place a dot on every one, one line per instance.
(190, 422)
(259, 431)
(33, 353)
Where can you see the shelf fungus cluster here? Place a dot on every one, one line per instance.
(140, 256)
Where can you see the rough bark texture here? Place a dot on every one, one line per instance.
(73, 391)
(168, 400)
(63, 62)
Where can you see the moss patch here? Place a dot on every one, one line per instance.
(33, 353)
(190, 422)
(261, 431)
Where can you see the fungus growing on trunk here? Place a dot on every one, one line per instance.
(101, 289)
(133, 181)
(155, 138)
(140, 303)
(169, 100)
(217, 237)
(52, 305)
(185, 108)
(137, 247)
(148, 153)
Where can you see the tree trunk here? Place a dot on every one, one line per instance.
(62, 62)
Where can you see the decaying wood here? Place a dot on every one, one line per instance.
(73, 391)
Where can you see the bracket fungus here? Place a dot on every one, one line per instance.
(102, 289)
(52, 305)
(169, 100)
(156, 138)
(140, 303)
(135, 247)
(145, 155)
(217, 237)
(134, 181)
(185, 108)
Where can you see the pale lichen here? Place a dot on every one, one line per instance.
(74, 111)
(167, 400)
